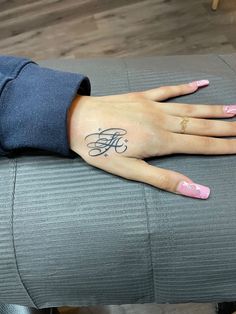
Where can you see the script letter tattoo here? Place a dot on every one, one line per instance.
(106, 139)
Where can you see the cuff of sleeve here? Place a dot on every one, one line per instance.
(34, 108)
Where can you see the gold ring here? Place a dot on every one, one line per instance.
(183, 123)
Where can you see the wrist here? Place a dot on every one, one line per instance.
(73, 122)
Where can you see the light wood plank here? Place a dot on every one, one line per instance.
(90, 28)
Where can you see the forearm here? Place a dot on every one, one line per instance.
(34, 104)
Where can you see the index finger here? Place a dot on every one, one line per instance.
(165, 92)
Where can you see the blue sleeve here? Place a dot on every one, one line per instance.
(34, 101)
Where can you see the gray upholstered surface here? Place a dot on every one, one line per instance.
(82, 236)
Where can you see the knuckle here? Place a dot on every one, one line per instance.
(164, 181)
(168, 89)
(159, 119)
(229, 145)
(233, 127)
(164, 90)
(135, 95)
(181, 89)
(208, 141)
(207, 125)
(189, 110)
(167, 146)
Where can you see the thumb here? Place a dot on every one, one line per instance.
(172, 181)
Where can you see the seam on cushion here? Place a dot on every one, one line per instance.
(223, 60)
(13, 239)
(127, 73)
(149, 244)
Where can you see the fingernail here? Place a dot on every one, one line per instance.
(230, 109)
(199, 83)
(193, 190)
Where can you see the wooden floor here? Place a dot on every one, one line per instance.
(46, 29)
(89, 28)
(189, 308)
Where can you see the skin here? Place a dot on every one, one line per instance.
(116, 132)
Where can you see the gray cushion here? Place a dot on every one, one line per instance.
(82, 236)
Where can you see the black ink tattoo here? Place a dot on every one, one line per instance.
(106, 139)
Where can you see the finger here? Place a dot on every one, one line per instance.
(197, 110)
(201, 126)
(194, 144)
(165, 92)
(140, 170)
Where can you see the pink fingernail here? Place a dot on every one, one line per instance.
(193, 190)
(199, 83)
(230, 109)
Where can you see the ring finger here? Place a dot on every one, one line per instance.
(197, 126)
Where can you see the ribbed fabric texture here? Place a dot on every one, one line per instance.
(83, 236)
(12, 290)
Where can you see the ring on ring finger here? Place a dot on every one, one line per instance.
(183, 124)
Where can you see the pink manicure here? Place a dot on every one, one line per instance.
(230, 109)
(199, 83)
(193, 190)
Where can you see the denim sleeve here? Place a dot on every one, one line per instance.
(34, 102)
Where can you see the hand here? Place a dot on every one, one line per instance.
(116, 132)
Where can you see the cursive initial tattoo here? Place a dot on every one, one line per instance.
(104, 140)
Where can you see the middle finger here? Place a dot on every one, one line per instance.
(197, 110)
